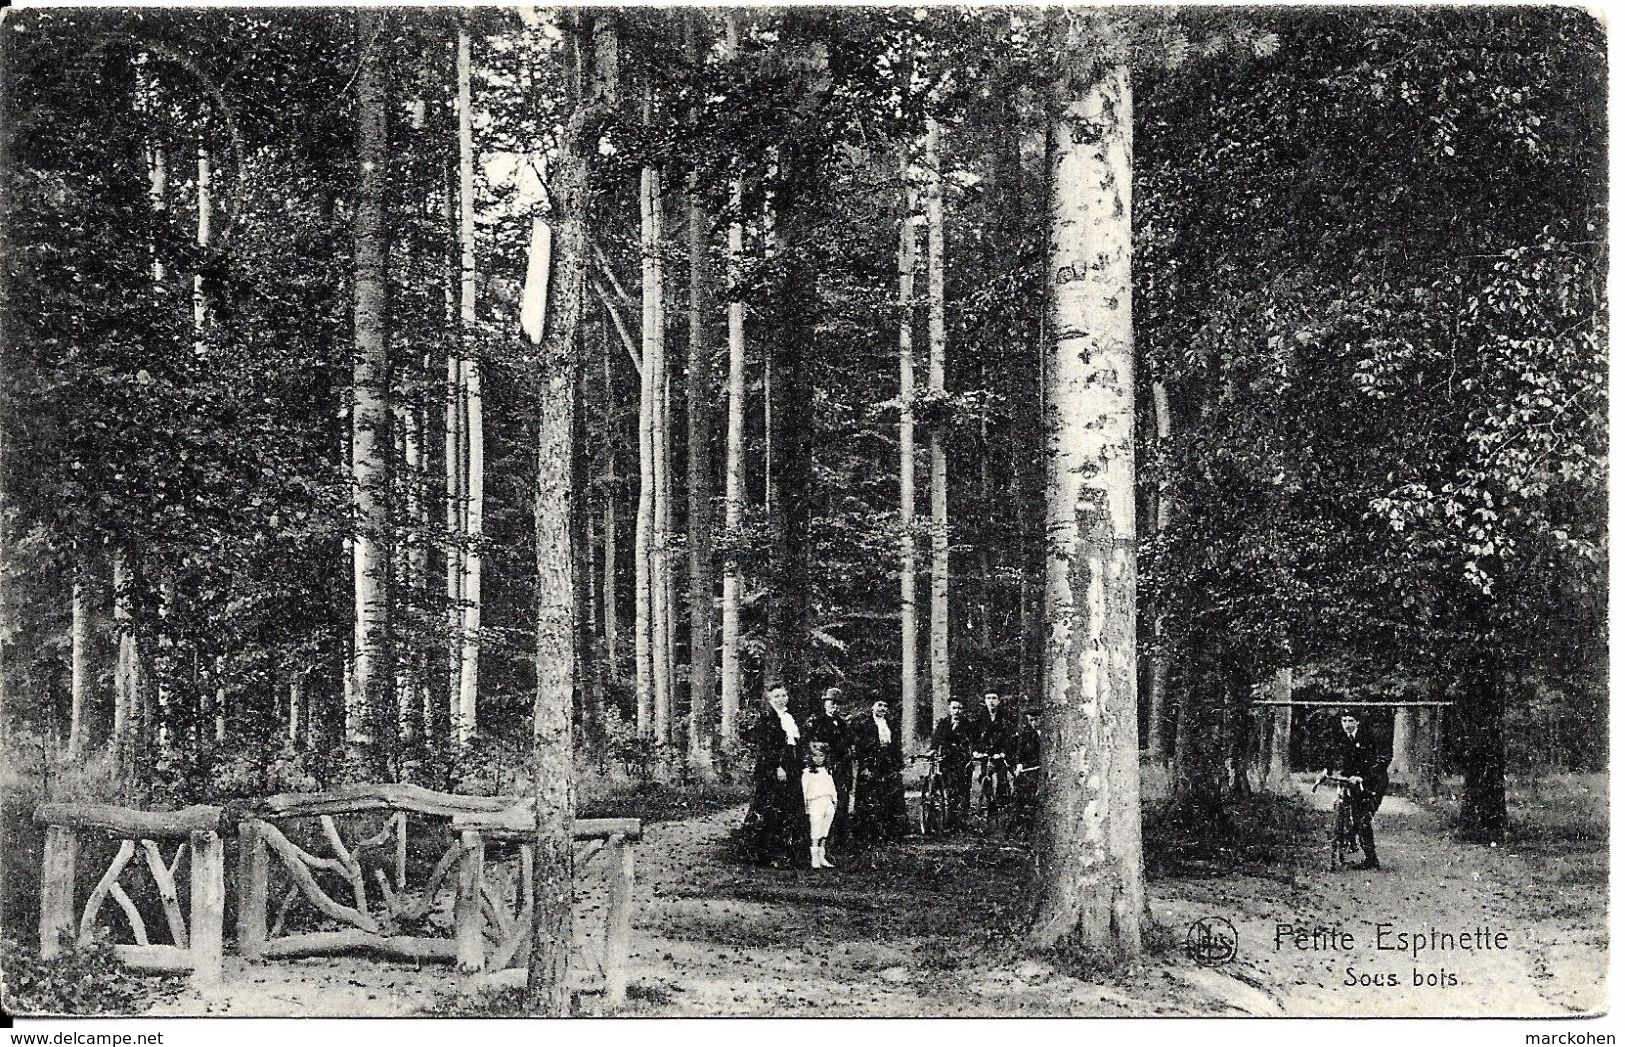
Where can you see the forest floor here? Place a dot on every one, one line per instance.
(925, 928)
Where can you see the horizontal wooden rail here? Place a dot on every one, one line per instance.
(128, 823)
(522, 821)
(361, 799)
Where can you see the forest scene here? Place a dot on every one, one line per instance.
(803, 511)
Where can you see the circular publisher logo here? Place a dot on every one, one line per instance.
(1211, 941)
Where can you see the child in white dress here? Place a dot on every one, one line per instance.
(818, 790)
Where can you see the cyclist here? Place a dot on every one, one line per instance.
(952, 742)
(1025, 775)
(996, 740)
(1360, 759)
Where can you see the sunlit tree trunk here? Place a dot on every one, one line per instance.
(907, 261)
(1091, 896)
(733, 493)
(127, 668)
(469, 662)
(552, 931)
(370, 439)
(643, 541)
(937, 379)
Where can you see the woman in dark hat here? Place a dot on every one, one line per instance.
(777, 813)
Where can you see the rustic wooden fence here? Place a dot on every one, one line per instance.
(480, 910)
(494, 933)
(195, 944)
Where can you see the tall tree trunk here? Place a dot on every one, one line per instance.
(1483, 816)
(78, 716)
(127, 669)
(370, 439)
(907, 261)
(733, 484)
(473, 404)
(1159, 721)
(702, 731)
(654, 363)
(1091, 892)
(941, 692)
(643, 555)
(456, 453)
(611, 490)
(796, 308)
(552, 932)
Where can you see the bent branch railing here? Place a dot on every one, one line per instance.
(196, 944)
(490, 904)
(494, 935)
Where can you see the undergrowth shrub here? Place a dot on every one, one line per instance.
(88, 980)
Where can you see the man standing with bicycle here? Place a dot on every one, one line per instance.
(1361, 760)
(952, 743)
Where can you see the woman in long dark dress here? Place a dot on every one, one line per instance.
(778, 815)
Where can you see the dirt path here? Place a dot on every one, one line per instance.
(924, 927)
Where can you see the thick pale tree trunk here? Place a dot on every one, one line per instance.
(1091, 895)
(473, 403)
(733, 484)
(1277, 775)
(702, 717)
(370, 441)
(937, 326)
(552, 931)
(907, 261)
(643, 540)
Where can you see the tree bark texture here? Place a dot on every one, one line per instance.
(702, 718)
(1091, 895)
(907, 261)
(370, 440)
(471, 401)
(734, 479)
(937, 326)
(547, 989)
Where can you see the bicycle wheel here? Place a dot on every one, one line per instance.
(1340, 831)
(989, 802)
(933, 807)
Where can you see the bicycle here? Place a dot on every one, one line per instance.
(933, 797)
(1344, 829)
(995, 787)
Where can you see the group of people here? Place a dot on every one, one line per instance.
(830, 781)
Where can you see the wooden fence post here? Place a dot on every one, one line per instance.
(400, 852)
(208, 906)
(253, 875)
(618, 926)
(56, 915)
(468, 918)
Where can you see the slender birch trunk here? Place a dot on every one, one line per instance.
(1091, 891)
(907, 262)
(469, 661)
(126, 670)
(611, 496)
(1157, 682)
(456, 453)
(938, 332)
(654, 362)
(78, 725)
(702, 717)
(733, 484)
(644, 582)
(370, 417)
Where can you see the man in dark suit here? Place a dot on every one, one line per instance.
(877, 748)
(1359, 756)
(952, 742)
(829, 727)
(996, 737)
